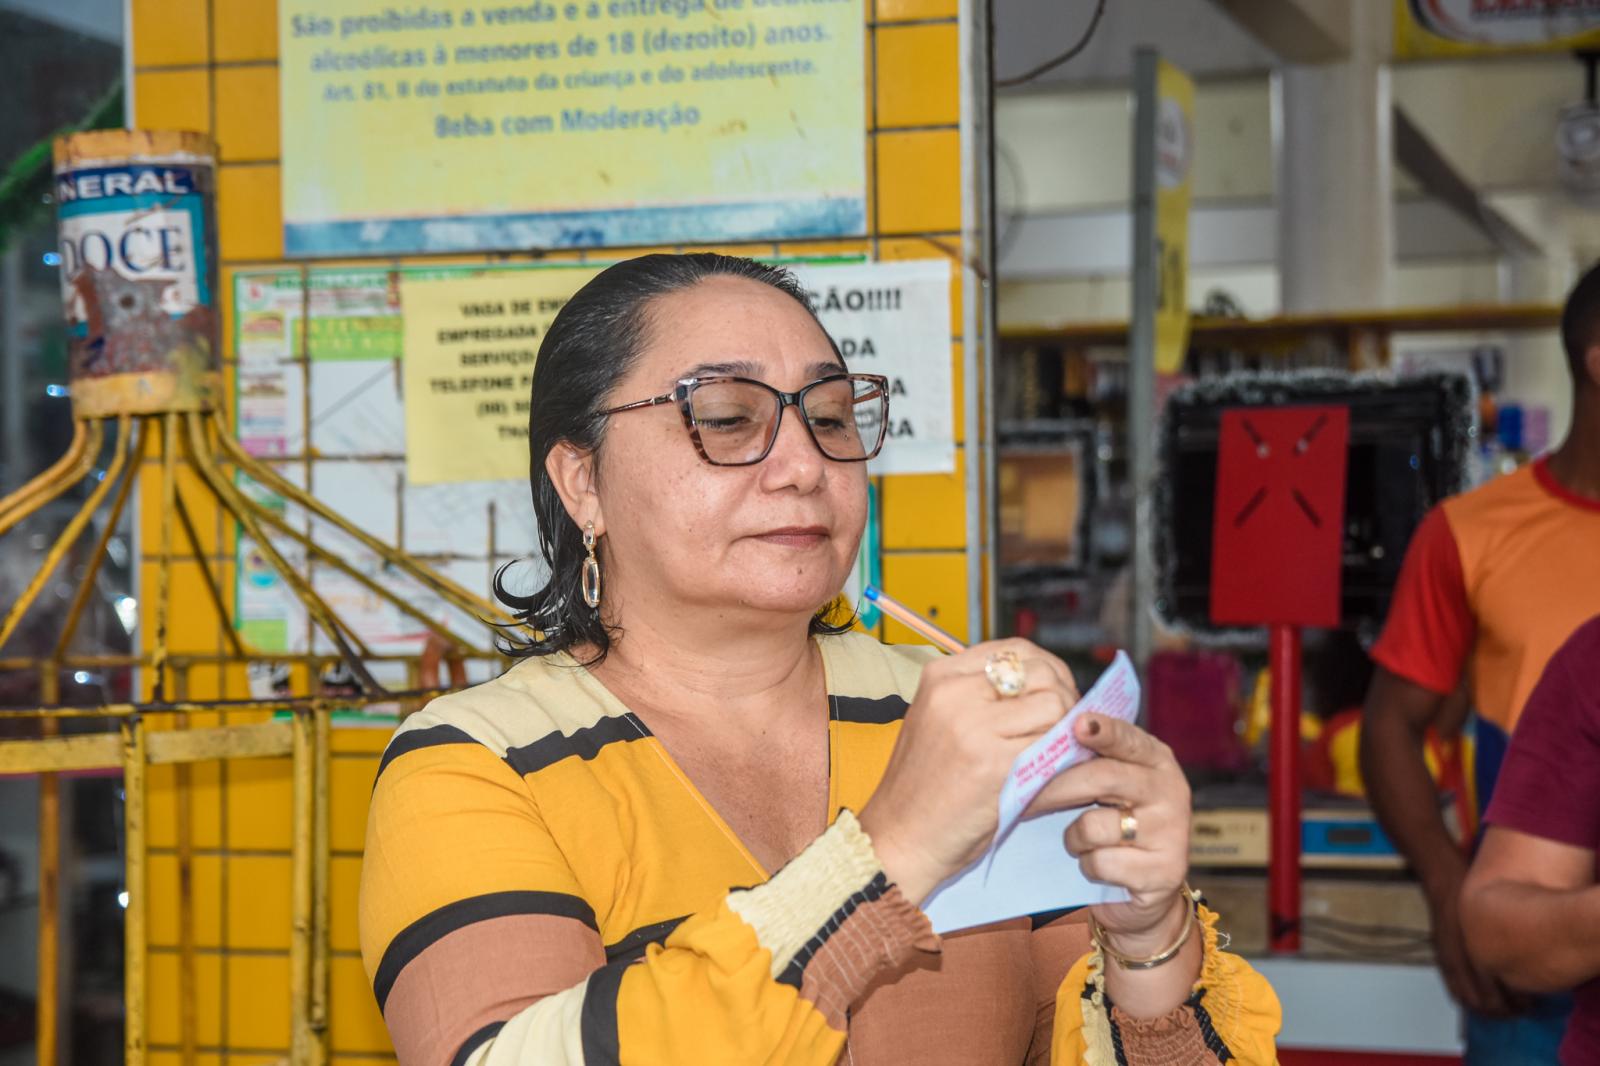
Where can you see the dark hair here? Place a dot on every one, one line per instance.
(590, 346)
(1580, 323)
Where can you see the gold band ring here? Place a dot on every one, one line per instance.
(1129, 826)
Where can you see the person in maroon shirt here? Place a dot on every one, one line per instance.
(1530, 906)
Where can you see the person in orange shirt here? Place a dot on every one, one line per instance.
(1494, 581)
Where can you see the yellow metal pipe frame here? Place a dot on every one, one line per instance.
(321, 885)
(241, 509)
(68, 662)
(302, 1038)
(47, 1023)
(188, 1013)
(169, 486)
(193, 536)
(247, 512)
(255, 741)
(440, 584)
(80, 469)
(135, 927)
(324, 555)
(86, 584)
(55, 754)
(69, 535)
(320, 704)
(51, 475)
(304, 736)
(102, 751)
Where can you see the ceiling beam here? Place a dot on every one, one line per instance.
(1298, 31)
(1440, 179)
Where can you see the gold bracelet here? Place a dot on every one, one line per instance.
(1150, 962)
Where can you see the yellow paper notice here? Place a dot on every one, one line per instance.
(470, 347)
(1174, 180)
(569, 123)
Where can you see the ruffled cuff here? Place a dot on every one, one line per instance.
(1231, 1014)
(831, 920)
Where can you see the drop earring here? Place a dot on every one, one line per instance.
(591, 568)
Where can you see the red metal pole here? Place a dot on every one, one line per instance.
(1283, 787)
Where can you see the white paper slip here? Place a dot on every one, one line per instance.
(1031, 873)
(1115, 695)
(1027, 869)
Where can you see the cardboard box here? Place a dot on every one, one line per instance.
(1333, 838)
(1382, 919)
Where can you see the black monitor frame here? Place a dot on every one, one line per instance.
(1410, 443)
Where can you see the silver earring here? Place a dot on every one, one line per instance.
(591, 569)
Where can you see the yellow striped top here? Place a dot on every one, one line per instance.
(542, 884)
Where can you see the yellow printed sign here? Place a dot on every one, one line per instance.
(569, 123)
(1174, 181)
(470, 347)
(1453, 29)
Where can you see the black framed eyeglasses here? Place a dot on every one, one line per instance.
(734, 421)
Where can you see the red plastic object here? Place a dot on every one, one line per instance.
(1283, 791)
(1275, 560)
(1279, 518)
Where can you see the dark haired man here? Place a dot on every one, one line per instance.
(1495, 580)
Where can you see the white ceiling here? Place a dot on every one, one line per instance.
(1197, 35)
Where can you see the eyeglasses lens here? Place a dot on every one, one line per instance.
(847, 417)
(737, 421)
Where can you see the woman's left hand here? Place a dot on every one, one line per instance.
(1135, 777)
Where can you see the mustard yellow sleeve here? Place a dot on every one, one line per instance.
(1232, 1015)
(484, 951)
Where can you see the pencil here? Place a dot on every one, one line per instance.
(911, 619)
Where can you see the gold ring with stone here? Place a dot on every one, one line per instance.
(1129, 826)
(1006, 674)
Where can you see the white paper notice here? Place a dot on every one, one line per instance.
(1027, 869)
(894, 319)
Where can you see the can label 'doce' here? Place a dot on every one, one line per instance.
(138, 271)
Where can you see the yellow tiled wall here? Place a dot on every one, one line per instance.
(211, 65)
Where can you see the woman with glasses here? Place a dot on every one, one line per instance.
(694, 823)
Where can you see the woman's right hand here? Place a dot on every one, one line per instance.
(937, 806)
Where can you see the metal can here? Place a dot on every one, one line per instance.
(136, 218)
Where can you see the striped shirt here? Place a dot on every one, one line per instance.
(542, 884)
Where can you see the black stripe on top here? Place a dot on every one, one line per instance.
(417, 739)
(795, 971)
(1044, 918)
(585, 743)
(1116, 1037)
(476, 1041)
(631, 947)
(417, 937)
(597, 1021)
(1208, 1031)
(882, 711)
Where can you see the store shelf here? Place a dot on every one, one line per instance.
(1260, 332)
